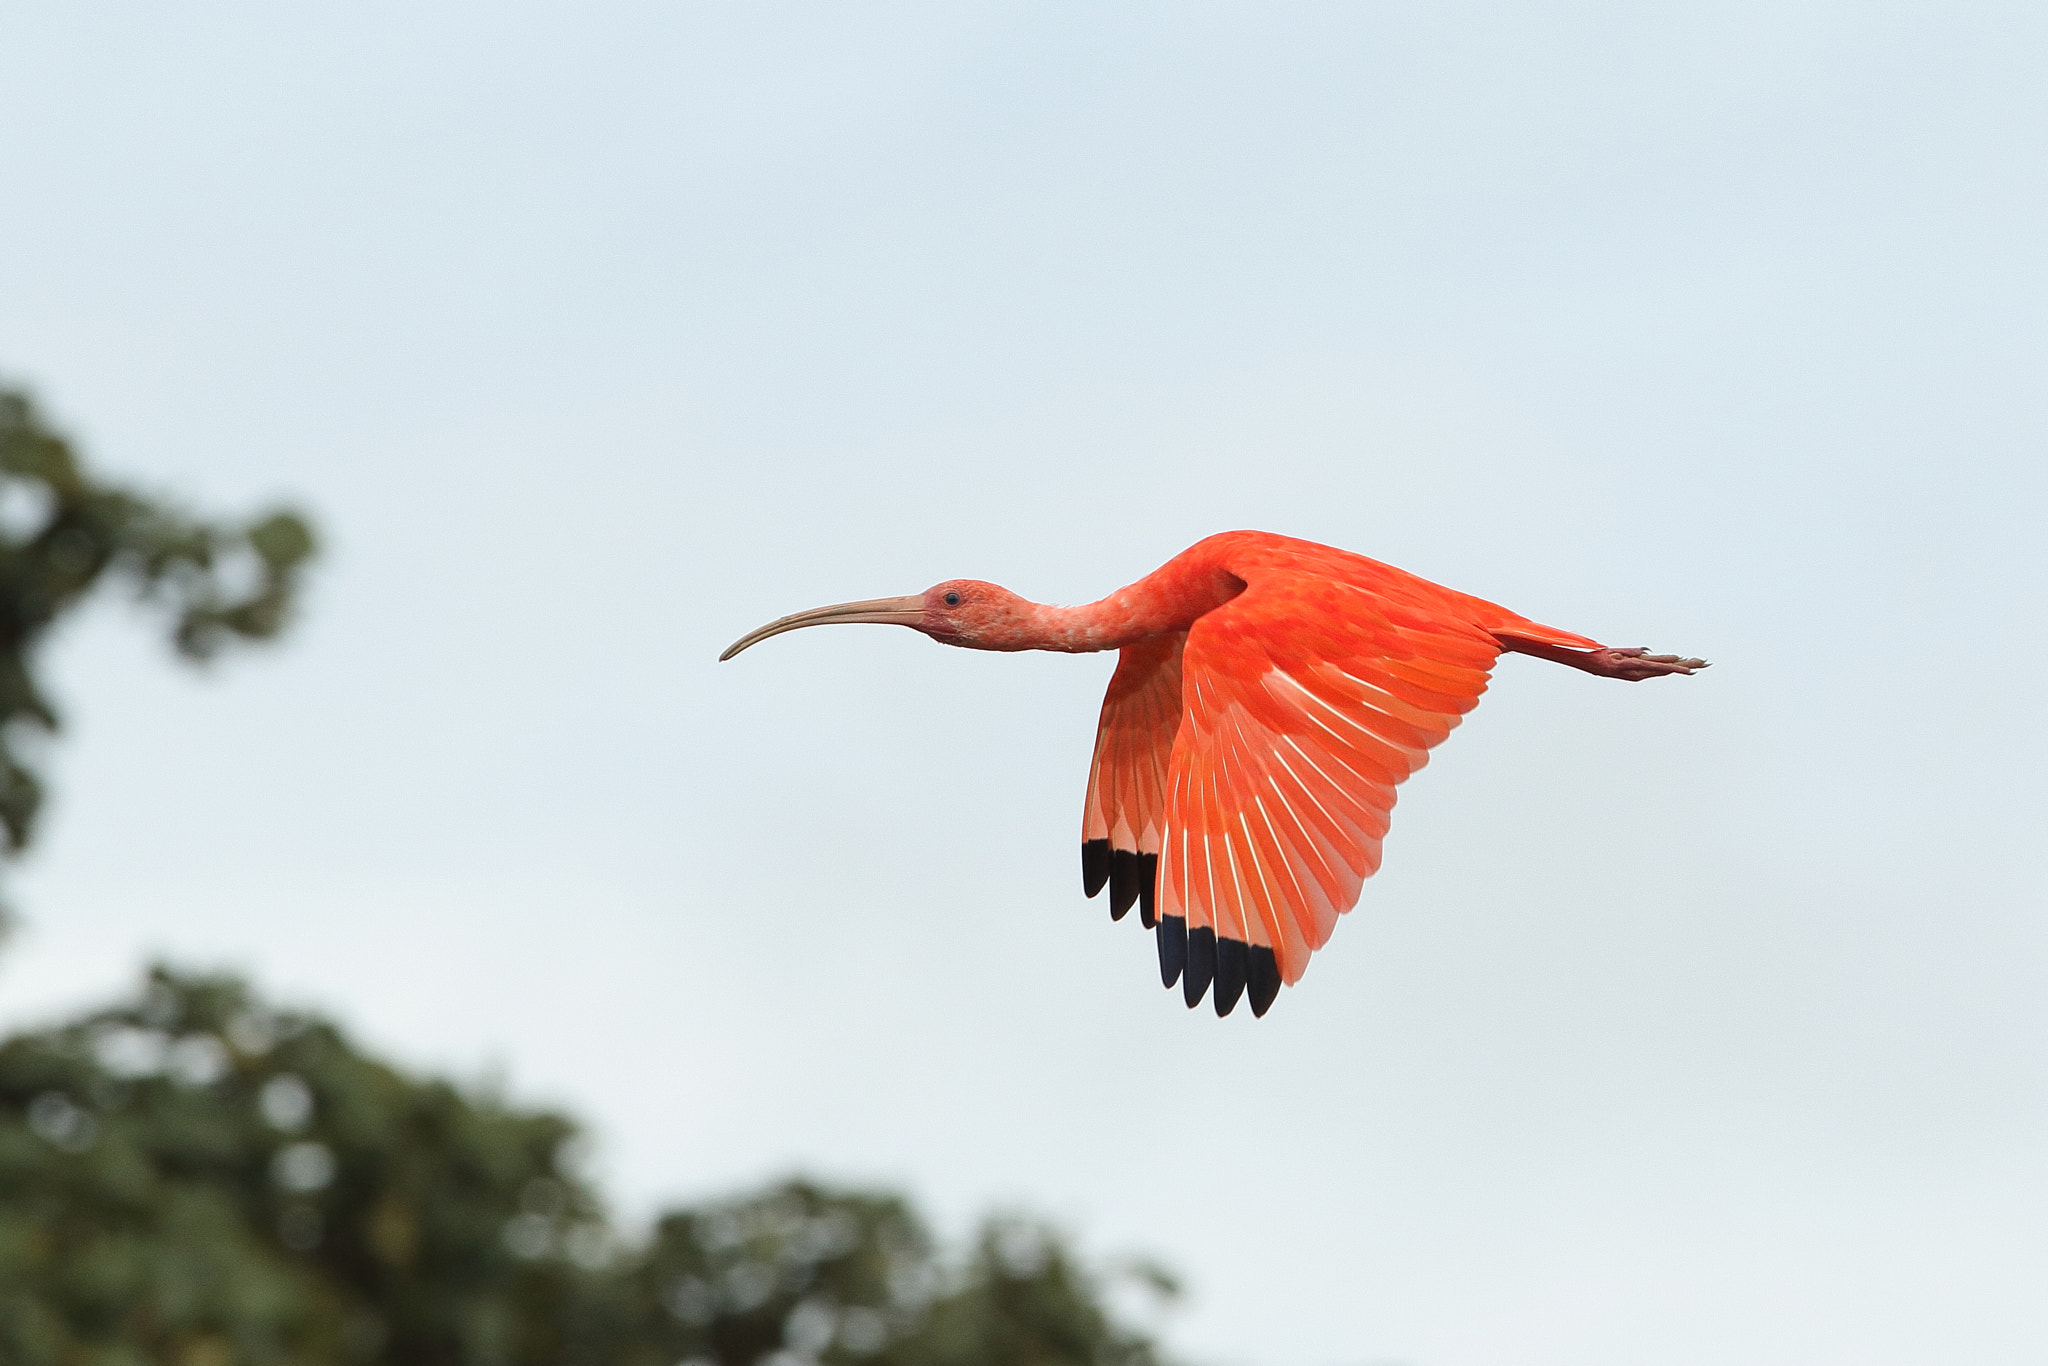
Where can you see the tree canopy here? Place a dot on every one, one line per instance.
(196, 1177)
(65, 532)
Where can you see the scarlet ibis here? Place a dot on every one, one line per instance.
(1269, 694)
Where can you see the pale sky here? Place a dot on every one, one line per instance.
(1700, 1021)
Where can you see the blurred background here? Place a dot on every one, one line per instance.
(1699, 1021)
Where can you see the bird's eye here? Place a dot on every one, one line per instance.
(952, 599)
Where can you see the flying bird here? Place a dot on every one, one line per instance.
(1269, 695)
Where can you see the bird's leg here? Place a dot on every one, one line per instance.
(1630, 665)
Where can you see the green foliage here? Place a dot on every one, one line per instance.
(196, 1179)
(63, 532)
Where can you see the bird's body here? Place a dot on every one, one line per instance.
(1269, 695)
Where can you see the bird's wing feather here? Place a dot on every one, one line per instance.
(1307, 699)
(1124, 824)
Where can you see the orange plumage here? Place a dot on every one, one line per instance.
(1269, 696)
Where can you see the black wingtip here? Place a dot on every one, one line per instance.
(1126, 880)
(1148, 882)
(1200, 968)
(1231, 969)
(1094, 865)
(1262, 979)
(1173, 949)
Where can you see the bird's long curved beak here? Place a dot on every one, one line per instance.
(882, 611)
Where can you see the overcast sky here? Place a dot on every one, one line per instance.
(1700, 1021)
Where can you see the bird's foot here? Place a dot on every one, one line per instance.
(1631, 666)
(1634, 666)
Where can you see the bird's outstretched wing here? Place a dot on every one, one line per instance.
(1124, 824)
(1245, 768)
(1307, 699)
(1306, 702)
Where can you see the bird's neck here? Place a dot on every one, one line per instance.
(1160, 602)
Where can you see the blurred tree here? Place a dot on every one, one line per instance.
(194, 1178)
(63, 532)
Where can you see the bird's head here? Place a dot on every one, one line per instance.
(965, 612)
